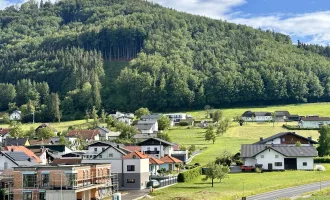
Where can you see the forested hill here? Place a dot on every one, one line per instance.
(176, 60)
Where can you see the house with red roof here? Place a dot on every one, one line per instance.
(154, 165)
(169, 163)
(87, 135)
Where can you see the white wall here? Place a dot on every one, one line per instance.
(269, 157)
(137, 163)
(310, 163)
(168, 150)
(56, 194)
(43, 158)
(312, 124)
(15, 116)
(4, 159)
(263, 118)
(150, 131)
(250, 161)
(114, 152)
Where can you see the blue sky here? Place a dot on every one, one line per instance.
(306, 20)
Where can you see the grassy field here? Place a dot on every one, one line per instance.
(322, 109)
(317, 195)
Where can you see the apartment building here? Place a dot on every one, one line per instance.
(68, 182)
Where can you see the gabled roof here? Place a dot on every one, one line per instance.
(4, 131)
(282, 113)
(52, 147)
(16, 111)
(153, 116)
(110, 145)
(279, 135)
(155, 161)
(144, 126)
(84, 134)
(155, 141)
(251, 150)
(315, 119)
(40, 142)
(144, 136)
(147, 122)
(103, 128)
(25, 150)
(263, 113)
(16, 141)
(19, 158)
(170, 159)
(135, 155)
(248, 113)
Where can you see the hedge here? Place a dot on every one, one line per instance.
(290, 127)
(190, 174)
(322, 159)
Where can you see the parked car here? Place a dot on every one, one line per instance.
(153, 183)
(245, 168)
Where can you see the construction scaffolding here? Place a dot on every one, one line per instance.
(34, 186)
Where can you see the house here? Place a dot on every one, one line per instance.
(46, 156)
(16, 142)
(55, 149)
(11, 159)
(154, 165)
(86, 135)
(169, 163)
(153, 117)
(126, 118)
(15, 116)
(156, 147)
(25, 150)
(141, 136)
(4, 133)
(281, 116)
(313, 122)
(177, 117)
(46, 125)
(40, 142)
(250, 116)
(294, 118)
(71, 182)
(104, 150)
(279, 157)
(106, 134)
(287, 138)
(147, 127)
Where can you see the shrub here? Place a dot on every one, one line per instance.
(183, 124)
(322, 159)
(197, 164)
(258, 170)
(190, 174)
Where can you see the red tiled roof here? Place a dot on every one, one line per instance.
(155, 161)
(4, 131)
(84, 134)
(170, 159)
(25, 150)
(69, 161)
(137, 154)
(39, 142)
(133, 148)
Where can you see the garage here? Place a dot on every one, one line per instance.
(290, 163)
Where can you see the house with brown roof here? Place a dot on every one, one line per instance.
(169, 163)
(154, 165)
(25, 150)
(87, 135)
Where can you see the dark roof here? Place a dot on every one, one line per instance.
(52, 147)
(44, 125)
(144, 136)
(144, 126)
(251, 150)
(248, 114)
(16, 141)
(282, 113)
(103, 128)
(293, 116)
(154, 116)
(17, 155)
(147, 122)
(278, 135)
(70, 161)
(155, 141)
(263, 114)
(315, 119)
(110, 145)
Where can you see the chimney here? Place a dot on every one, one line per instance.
(261, 138)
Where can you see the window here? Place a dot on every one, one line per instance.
(305, 164)
(103, 148)
(110, 155)
(276, 156)
(283, 139)
(45, 180)
(71, 180)
(95, 149)
(131, 168)
(100, 156)
(262, 156)
(130, 180)
(29, 180)
(42, 196)
(278, 164)
(27, 196)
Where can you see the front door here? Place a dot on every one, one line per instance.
(169, 167)
(290, 163)
(270, 166)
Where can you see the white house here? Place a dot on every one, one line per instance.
(127, 118)
(177, 117)
(156, 147)
(87, 135)
(16, 116)
(287, 138)
(250, 116)
(149, 126)
(313, 122)
(153, 117)
(11, 159)
(4, 133)
(279, 157)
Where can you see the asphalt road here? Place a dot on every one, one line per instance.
(290, 192)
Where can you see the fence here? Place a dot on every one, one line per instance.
(168, 181)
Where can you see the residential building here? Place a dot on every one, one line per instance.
(294, 118)
(145, 136)
(153, 117)
(4, 133)
(313, 122)
(46, 156)
(147, 126)
(27, 151)
(15, 116)
(154, 165)
(250, 116)
(106, 134)
(287, 138)
(54, 149)
(177, 117)
(16, 142)
(169, 163)
(281, 116)
(156, 147)
(11, 159)
(126, 118)
(86, 135)
(71, 182)
(279, 157)
(104, 150)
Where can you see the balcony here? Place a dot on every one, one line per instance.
(151, 152)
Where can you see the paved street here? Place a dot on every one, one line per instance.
(290, 192)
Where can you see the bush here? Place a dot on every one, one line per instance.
(322, 159)
(183, 124)
(258, 170)
(197, 164)
(189, 175)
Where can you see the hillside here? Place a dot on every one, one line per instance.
(175, 60)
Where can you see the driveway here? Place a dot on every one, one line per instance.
(290, 192)
(133, 194)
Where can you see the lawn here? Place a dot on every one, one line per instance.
(321, 109)
(232, 187)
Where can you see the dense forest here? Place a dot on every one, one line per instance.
(174, 60)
